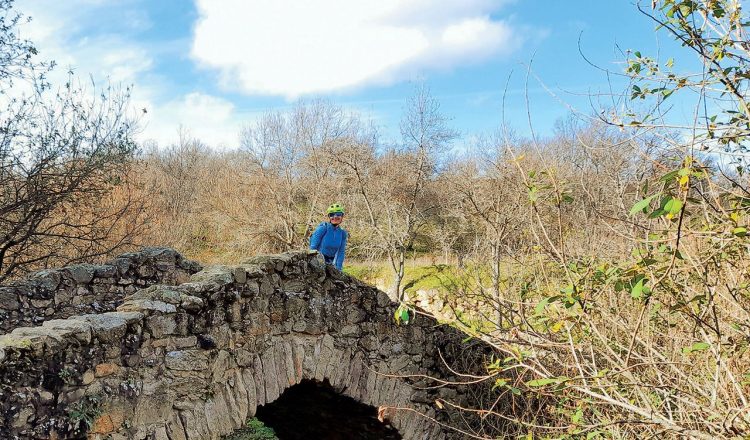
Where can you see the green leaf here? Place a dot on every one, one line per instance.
(533, 194)
(401, 314)
(643, 204)
(669, 176)
(740, 231)
(577, 416)
(542, 382)
(499, 383)
(698, 346)
(670, 62)
(637, 291)
(673, 206)
(543, 304)
(405, 315)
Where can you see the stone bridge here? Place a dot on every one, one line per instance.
(195, 359)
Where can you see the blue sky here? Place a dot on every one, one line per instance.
(213, 66)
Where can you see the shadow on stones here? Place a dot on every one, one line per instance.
(313, 410)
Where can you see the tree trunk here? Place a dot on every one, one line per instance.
(496, 284)
(398, 278)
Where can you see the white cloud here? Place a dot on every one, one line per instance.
(58, 29)
(293, 48)
(210, 119)
(64, 31)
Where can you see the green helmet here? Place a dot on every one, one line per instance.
(336, 207)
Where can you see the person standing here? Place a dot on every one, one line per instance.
(329, 237)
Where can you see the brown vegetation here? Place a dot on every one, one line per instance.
(606, 265)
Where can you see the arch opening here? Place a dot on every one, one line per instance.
(313, 409)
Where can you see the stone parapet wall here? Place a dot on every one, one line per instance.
(87, 288)
(193, 361)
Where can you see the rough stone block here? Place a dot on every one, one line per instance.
(141, 305)
(81, 330)
(105, 271)
(270, 379)
(187, 360)
(252, 397)
(288, 354)
(220, 370)
(41, 303)
(106, 369)
(258, 379)
(239, 388)
(191, 303)
(194, 421)
(161, 325)
(102, 425)
(9, 299)
(80, 273)
(47, 280)
(175, 430)
(240, 276)
(112, 326)
(323, 354)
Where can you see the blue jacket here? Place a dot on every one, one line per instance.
(330, 241)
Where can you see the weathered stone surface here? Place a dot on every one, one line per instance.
(47, 279)
(81, 330)
(9, 299)
(161, 325)
(175, 430)
(186, 360)
(146, 305)
(85, 288)
(191, 303)
(106, 369)
(111, 327)
(80, 273)
(193, 361)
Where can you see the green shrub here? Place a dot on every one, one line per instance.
(254, 430)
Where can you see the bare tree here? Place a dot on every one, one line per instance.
(61, 153)
(289, 167)
(396, 188)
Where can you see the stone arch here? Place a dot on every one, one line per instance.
(314, 409)
(193, 361)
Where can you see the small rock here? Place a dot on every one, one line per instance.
(102, 425)
(48, 280)
(105, 271)
(187, 360)
(141, 304)
(349, 330)
(107, 369)
(9, 300)
(122, 265)
(240, 276)
(88, 377)
(146, 271)
(41, 303)
(81, 273)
